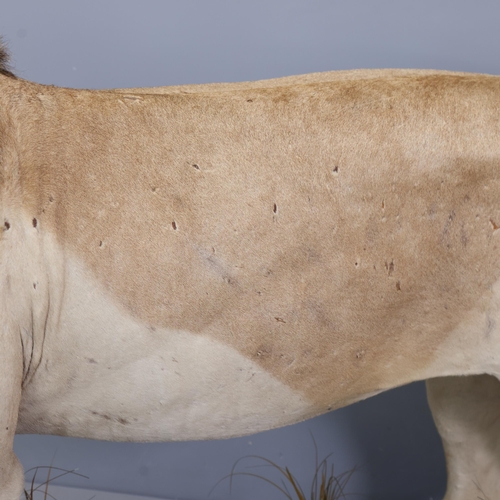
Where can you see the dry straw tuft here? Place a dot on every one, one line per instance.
(325, 485)
(43, 488)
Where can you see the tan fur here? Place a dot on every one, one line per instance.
(336, 233)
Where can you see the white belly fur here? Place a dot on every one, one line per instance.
(105, 376)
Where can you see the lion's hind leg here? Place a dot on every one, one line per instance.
(466, 411)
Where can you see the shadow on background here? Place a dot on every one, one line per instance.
(403, 451)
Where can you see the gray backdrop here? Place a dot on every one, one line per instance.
(118, 43)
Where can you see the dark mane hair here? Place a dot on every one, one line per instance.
(4, 61)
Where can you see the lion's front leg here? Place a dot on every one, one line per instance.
(11, 372)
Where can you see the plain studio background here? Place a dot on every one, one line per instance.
(127, 43)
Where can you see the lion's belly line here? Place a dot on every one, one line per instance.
(120, 379)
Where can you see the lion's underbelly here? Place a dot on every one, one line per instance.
(107, 376)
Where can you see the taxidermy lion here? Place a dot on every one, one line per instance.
(211, 261)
